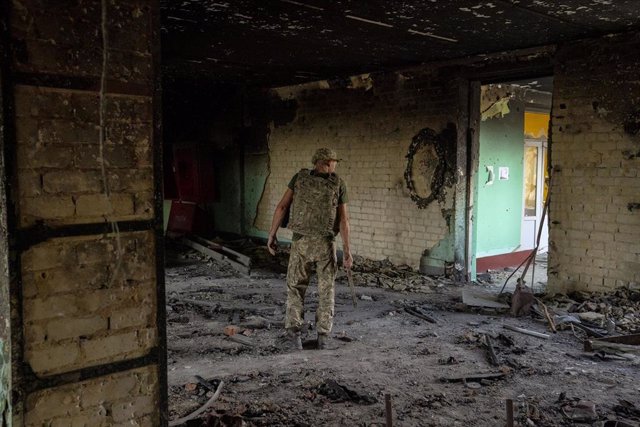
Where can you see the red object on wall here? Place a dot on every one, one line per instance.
(187, 217)
(193, 169)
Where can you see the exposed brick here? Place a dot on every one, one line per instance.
(132, 409)
(373, 142)
(52, 358)
(129, 397)
(108, 347)
(72, 181)
(129, 317)
(48, 308)
(75, 327)
(589, 195)
(99, 204)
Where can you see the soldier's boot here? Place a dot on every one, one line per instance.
(291, 341)
(322, 341)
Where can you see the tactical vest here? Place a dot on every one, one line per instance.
(315, 204)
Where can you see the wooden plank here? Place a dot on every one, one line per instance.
(594, 345)
(526, 331)
(492, 357)
(241, 258)
(216, 255)
(631, 339)
(421, 315)
(473, 377)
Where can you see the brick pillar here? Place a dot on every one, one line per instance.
(595, 224)
(85, 227)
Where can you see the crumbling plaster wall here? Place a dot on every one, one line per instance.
(370, 121)
(595, 190)
(88, 288)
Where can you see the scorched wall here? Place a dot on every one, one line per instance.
(370, 121)
(595, 190)
(83, 213)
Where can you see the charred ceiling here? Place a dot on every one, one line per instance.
(280, 42)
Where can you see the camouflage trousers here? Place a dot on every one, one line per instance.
(308, 253)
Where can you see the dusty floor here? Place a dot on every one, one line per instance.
(377, 349)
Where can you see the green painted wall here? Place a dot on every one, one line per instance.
(227, 211)
(256, 170)
(499, 206)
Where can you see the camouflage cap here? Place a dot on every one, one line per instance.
(324, 154)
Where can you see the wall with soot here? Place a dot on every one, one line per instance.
(396, 135)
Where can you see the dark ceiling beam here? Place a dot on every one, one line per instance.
(545, 15)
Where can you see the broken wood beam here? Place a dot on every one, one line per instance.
(613, 347)
(526, 331)
(419, 314)
(631, 339)
(545, 310)
(509, 412)
(241, 268)
(492, 357)
(474, 377)
(241, 340)
(204, 304)
(241, 258)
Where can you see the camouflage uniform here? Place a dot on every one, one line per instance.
(314, 223)
(306, 253)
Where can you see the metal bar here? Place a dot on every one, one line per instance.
(81, 83)
(526, 331)
(157, 141)
(9, 148)
(352, 288)
(388, 410)
(509, 413)
(460, 202)
(473, 150)
(34, 383)
(31, 236)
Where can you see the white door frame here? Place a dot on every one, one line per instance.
(530, 224)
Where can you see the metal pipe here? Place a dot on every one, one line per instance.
(389, 415)
(509, 413)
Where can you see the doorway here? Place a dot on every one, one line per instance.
(512, 180)
(534, 195)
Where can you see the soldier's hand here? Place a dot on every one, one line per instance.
(272, 244)
(347, 261)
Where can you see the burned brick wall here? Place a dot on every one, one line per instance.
(5, 306)
(594, 231)
(86, 224)
(371, 121)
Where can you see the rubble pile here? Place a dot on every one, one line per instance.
(385, 274)
(621, 306)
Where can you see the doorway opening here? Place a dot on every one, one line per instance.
(511, 185)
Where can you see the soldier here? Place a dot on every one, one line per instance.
(318, 202)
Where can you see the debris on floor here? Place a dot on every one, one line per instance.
(622, 307)
(443, 361)
(337, 393)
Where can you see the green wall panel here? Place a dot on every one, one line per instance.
(499, 205)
